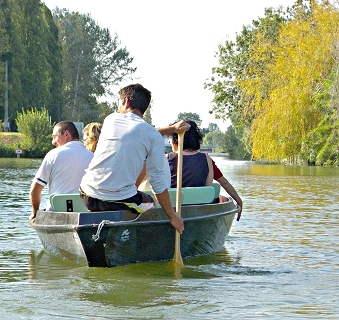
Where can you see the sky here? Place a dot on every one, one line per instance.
(174, 45)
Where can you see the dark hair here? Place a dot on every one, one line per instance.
(192, 139)
(138, 96)
(70, 127)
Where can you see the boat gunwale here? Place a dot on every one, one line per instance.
(135, 221)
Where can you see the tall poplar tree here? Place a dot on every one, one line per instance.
(34, 58)
(36, 78)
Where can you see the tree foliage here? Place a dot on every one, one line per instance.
(64, 63)
(147, 115)
(189, 116)
(36, 129)
(290, 112)
(211, 127)
(29, 43)
(277, 83)
(236, 68)
(232, 145)
(92, 63)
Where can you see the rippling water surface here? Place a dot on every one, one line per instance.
(281, 259)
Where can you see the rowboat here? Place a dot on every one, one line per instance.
(116, 238)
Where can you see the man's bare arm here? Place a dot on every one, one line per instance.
(177, 127)
(35, 198)
(165, 202)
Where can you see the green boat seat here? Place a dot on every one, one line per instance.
(192, 195)
(172, 194)
(67, 203)
(216, 187)
(198, 195)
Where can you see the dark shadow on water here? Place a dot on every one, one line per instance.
(43, 266)
(46, 265)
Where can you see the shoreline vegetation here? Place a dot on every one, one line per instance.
(9, 142)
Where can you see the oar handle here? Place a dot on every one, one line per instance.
(177, 254)
(179, 171)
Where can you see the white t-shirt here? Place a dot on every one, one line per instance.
(63, 167)
(125, 142)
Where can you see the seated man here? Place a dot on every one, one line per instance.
(126, 142)
(62, 167)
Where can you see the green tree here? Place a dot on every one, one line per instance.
(104, 109)
(147, 115)
(36, 78)
(54, 59)
(14, 52)
(189, 116)
(36, 129)
(211, 127)
(213, 140)
(33, 55)
(232, 145)
(236, 67)
(92, 64)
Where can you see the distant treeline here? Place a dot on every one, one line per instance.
(279, 84)
(62, 62)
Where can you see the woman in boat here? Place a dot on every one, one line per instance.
(91, 134)
(192, 140)
(197, 167)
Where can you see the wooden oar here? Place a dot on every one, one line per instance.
(177, 254)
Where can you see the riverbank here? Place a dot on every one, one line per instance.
(9, 142)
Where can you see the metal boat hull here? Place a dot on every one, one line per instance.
(109, 239)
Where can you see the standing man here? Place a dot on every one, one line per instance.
(62, 167)
(126, 142)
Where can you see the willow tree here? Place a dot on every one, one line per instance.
(238, 65)
(302, 62)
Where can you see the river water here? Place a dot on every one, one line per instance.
(281, 259)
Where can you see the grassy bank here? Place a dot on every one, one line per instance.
(9, 142)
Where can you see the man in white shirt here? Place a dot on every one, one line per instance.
(63, 167)
(126, 142)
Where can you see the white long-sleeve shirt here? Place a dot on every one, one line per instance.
(125, 142)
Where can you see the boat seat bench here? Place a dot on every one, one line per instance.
(189, 195)
(70, 202)
(193, 195)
